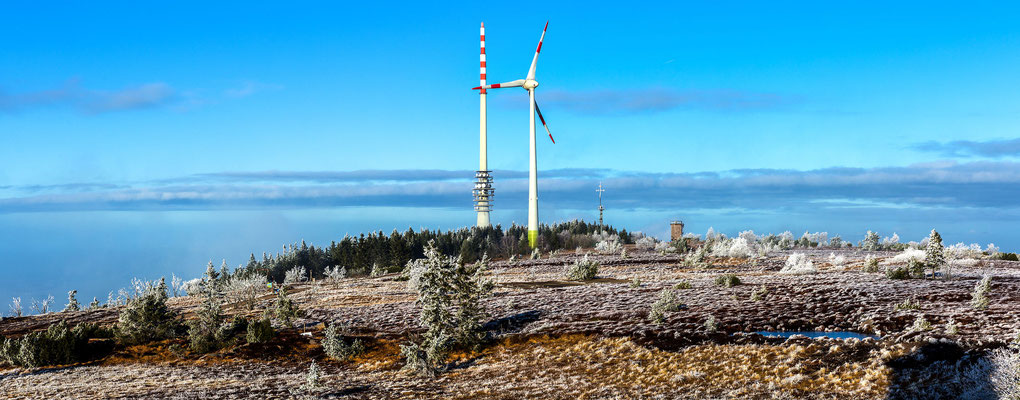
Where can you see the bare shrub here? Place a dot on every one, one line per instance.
(16, 309)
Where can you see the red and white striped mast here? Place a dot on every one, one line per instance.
(483, 191)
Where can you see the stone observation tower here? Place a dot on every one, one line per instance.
(676, 230)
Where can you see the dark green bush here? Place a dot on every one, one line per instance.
(338, 347)
(57, 345)
(727, 280)
(260, 331)
(147, 318)
(897, 273)
(1007, 256)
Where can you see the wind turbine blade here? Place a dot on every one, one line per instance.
(534, 61)
(540, 118)
(517, 83)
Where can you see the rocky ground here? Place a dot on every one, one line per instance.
(553, 338)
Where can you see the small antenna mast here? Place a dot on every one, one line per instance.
(601, 208)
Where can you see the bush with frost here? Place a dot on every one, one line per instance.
(798, 264)
(56, 345)
(836, 242)
(907, 255)
(609, 246)
(664, 248)
(727, 280)
(336, 273)
(837, 260)
(295, 275)
(1005, 372)
(146, 317)
(979, 297)
(204, 333)
(244, 292)
(582, 269)
(871, 241)
(871, 264)
(284, 310)
(646, 243)
(16, 309)
(735, 248)
(668, 301)
(43, 306)
(190, 288)
(339, 347)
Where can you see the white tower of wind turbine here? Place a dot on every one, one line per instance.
(483, 191)
(529, 83)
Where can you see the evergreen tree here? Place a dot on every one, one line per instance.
(935, 255)
(72, 301)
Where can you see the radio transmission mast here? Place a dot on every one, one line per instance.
(601, 209)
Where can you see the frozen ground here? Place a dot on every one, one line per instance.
(560, 339)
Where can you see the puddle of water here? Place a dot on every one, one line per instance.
(818, 334)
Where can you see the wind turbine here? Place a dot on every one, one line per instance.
(530, 84)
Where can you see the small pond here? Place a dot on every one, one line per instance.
(818, 334)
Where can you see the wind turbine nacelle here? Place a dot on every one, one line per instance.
(530, 84)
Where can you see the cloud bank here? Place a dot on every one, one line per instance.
(90, 101)
(970, 148)
(947, 185)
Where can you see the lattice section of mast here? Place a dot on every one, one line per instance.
(483, 191)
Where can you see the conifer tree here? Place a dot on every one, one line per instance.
(72, 301)
(935, 254)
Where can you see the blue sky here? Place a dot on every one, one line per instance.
(177, 122)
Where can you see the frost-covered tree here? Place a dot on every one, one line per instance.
(449, 295)
(871, 241)
(72, 301)
(203, 330)
(582, 269)
(935, 253)
(16, 309)
(836, 242)
(210, 272)
(147, 317)
(94, 305)
(295, 275)
(339, 348)
(285, 311)
(979, 298)
(336, 273)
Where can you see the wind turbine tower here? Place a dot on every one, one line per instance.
(601, 209)
(483, 191)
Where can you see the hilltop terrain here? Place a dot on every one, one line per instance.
(549, 337)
